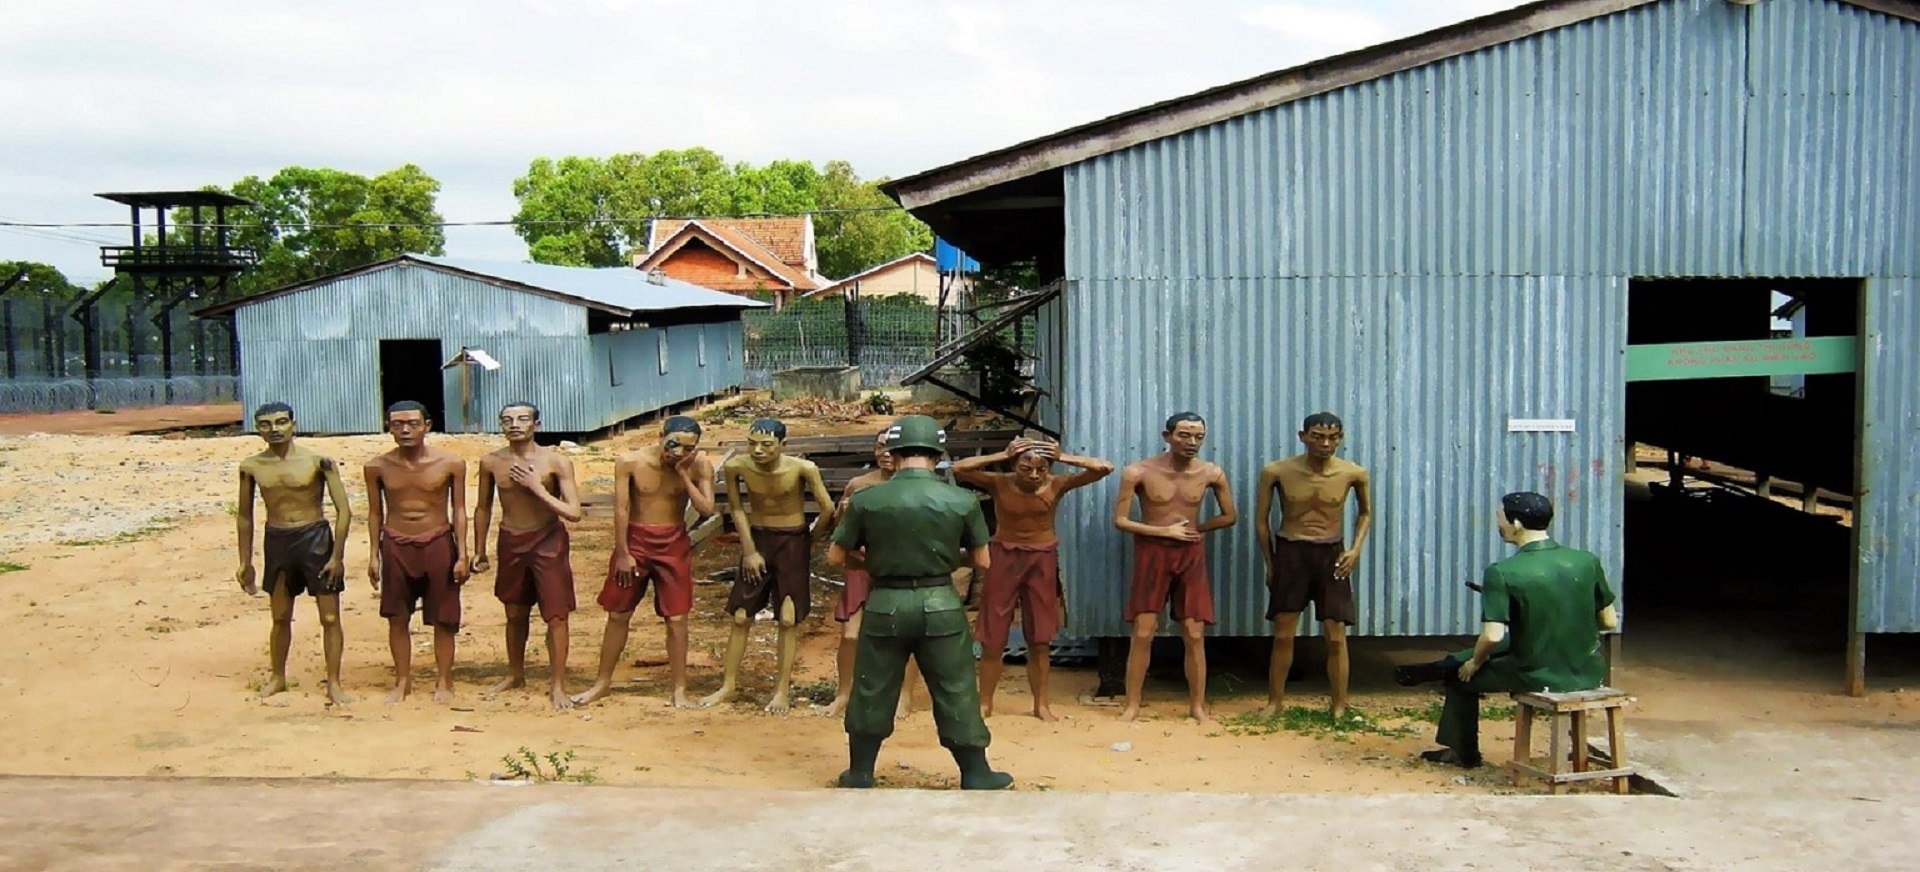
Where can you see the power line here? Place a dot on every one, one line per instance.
(509, 222)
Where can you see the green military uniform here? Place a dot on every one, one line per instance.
(916, 530)
(1550, 598)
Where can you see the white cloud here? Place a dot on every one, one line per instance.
(98, 95)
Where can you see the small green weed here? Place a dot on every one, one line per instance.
(1430, 713)
(525, 765)
(146, 532)
(1309, 721)
(10, 566)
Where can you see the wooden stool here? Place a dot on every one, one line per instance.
(1574, 707)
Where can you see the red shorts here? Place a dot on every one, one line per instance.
(534, 570)
(1166, 571)
(853, 597)
(1027, 575)
(663, 554)
(414, 569)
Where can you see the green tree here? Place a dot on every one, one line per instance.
(313, 221)
(25, 279)
(585, 211)
(859, 227)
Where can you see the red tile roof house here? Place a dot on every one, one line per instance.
(737, 255)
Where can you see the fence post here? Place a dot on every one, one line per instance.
(850, 313)
(6, 323)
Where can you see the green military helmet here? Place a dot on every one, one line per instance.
(916, 431)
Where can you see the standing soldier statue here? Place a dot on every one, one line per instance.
(916, 530)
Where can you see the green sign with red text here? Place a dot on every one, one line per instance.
(1823, 355)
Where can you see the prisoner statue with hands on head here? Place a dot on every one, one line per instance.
(302, 551)
(767, 494)
(538, 496)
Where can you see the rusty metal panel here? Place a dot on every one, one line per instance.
(1889, 549)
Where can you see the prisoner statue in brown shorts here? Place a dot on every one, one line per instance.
(1026, 557)
(1309, 560)
(652, 489)
(538, 497)
(303, 552)
(1169, 553)
(766, 494)
(853, 594)
(417, 517)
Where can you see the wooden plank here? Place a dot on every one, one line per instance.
(1522, 741)
(1579, 741)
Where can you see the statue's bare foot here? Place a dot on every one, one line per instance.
(598, 690)
(1200, 715)
(1130, 713)
(986, 710)
(1272, 709)
(399, 693)
(779, 705)
(837, 708)
(561, 701)
(273, 686)
(1339, 714)
(508, 683)
(1044, 712)
(336, 696)
(443, 695)
(679, 699)
(724, 694)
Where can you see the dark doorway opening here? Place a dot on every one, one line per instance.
(410, 370)
(1742, 418)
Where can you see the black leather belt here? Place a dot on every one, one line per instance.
(906, 583)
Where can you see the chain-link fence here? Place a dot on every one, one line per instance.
(887, 337)
(49, 356)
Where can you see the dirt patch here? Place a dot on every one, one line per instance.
(132, 651)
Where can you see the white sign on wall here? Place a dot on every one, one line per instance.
(1540, 425)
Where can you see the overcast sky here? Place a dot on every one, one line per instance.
(105, 96)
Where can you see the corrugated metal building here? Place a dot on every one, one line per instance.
(591, 347)
(1438, 235)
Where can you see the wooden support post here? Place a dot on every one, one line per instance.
(1633, 456)
(1580, 741)
(1857, 664)
(1809, 498)
(1556, 752)
(1522, 742)
(1613, 658)
(1675, 463)
(1617, 750)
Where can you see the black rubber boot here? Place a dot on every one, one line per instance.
(861, 752)
(975, 774)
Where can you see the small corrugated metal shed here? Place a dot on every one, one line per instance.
(1437, 236)
(591, 347)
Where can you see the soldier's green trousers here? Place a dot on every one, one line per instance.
(929, 623)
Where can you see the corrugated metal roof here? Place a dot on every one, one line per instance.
(619, 287)
(619, 290)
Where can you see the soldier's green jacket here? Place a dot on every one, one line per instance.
(913, 525)
(1550, 597)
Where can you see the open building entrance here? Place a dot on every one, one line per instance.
(1742, 417)
(410, 370)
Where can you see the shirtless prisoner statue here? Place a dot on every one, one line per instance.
(417, 518)
(303, 553)
(1169, 553)
(767, 493)
(853, 594)
(1025, 568)
(651, 491)
(1309, 560)
(537, 497)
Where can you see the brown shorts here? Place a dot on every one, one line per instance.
(853, 597)
(415, 569)
(662, 554)
(1027, 575)
(534, 570)
(1303, 572)
(789, 576)
(302, 554)
(1169, 572)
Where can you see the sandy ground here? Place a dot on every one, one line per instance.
(133, 652)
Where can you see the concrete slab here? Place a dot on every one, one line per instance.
(176, 824)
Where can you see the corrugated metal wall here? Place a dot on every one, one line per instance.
(1890, 508)
(700, 359)
(320, 351)
(1429, 419)
(1432, 252)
